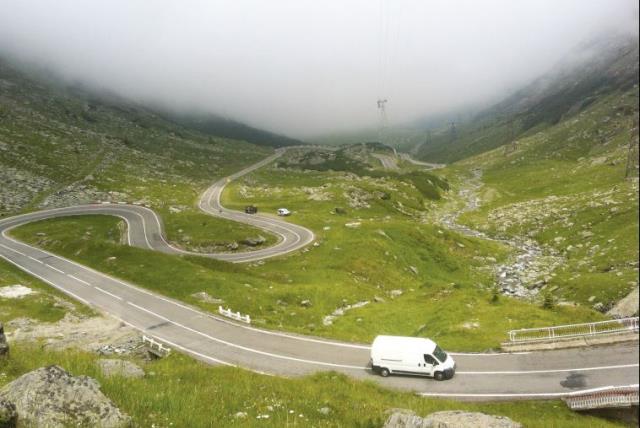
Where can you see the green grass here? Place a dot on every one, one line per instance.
(449, 290)
(113, 149)
(566, 188)
(179, 391)
(46, 304)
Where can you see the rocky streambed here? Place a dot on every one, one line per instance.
(523, 275)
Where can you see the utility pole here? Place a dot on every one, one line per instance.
(383, 118)
(453, 131)
(632, 154)
(512, 145)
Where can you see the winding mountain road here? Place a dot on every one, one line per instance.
(217, 340)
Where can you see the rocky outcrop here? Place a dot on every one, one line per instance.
(4, 346)
(254, 242)
(627, 307)
(116, 367)
(448, 419)
(51, 397)
(8, 414)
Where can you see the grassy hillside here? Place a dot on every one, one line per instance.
(566, 188)
(227, 128)
(375, 248)
(592, 71)
(64, 146)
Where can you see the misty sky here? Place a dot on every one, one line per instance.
(303, 67)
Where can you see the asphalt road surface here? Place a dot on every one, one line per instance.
(387, 161)
(216, 340)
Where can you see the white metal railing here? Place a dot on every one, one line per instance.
(155, 345)
(234, 315)
(574, 330)
(608, 396)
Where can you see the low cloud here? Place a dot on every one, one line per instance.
(305, 67)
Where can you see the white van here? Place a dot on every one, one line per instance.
(283, 212)
(410, 356)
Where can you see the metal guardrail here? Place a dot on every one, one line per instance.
(608, 396)
(156, 346)
(574, 330)
(234, 315)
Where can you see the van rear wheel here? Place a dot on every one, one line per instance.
(384, 372)
(438, 376)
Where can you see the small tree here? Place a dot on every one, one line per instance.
(495, 295)
(548, 301)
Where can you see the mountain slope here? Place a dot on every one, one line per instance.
(568, 188)
(591, 71)
(66, 145)
(222, 127)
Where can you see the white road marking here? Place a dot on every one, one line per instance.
(78, 279)
(75, 296)
(106, 292)
(11, 249)
(54, 268)
(582, 369)
(244, 348)
(520, 394)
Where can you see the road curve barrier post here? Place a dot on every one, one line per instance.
(234, 315)
(155, 347)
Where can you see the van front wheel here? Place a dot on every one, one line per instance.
(439, 376)
(384, 372)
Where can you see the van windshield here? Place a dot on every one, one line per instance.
(440, 354)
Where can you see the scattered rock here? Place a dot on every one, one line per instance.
(329, 319)
(254, 242)
(203, 296)
(233, 246)
(471, 325)
(413, 269)
(15, 291)
(400, 418)
(627, 307)
(51, 397)
(4, 346)
(378, 299)
(8, 414)
(305, 303)
(395, 293)
(103, 335)
(240, 415)
(115, 367)
(324, 410)
(353, 225)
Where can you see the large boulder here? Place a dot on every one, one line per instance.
(254, 242)
(448, 419)
(8, 414)
(51, 397)
(4, 346)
